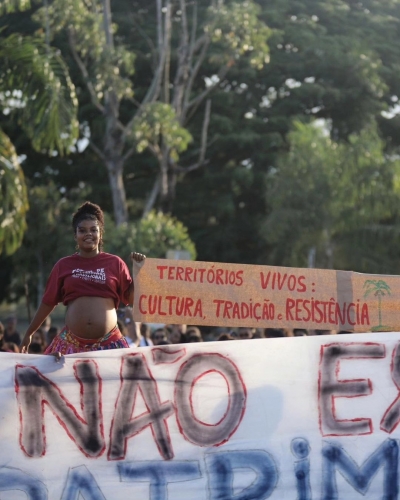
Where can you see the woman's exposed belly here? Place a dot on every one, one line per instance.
(91, 317)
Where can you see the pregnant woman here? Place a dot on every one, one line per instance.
(91, 283)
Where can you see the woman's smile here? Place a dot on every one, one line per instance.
(87, 236)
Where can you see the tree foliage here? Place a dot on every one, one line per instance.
(34, 82)
(330, 59)
(323, 192)
(159, 120)
(180, 37)
(153, 235)
(35, 86)
(13, 198)
(8, 6)
(236, 30)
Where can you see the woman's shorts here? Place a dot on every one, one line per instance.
(68, 343)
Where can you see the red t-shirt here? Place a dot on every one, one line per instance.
(104, 275)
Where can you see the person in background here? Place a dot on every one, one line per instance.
(272, 333)
(11, 347)
(233, 332)
(52, 333)
(193, 334)
(159, 337)
(225, 336)
(91, 283)
(2, 349)
(6, 346)
(46, 325)
(299, 332)
(38, 344)
(164, 342)
(324, 332)
(137, 334)
(258, 333)
(10, 333)
(175, 335)
(145, 339)
(35, 348)
(246, 333)
(127, 326)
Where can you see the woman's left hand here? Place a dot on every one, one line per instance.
(138, 257)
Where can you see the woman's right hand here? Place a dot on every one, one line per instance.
(26, 342)
(138, 257)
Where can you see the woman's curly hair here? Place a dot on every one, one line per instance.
(89, 211)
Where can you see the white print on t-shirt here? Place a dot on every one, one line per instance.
(98, 276)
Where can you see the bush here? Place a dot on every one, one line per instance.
(154, 236)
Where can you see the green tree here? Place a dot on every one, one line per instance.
(153, 235)
(34, 86)
(13, 198)
(156, 116)
(329, 59)
(323, 192)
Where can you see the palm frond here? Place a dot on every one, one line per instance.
(13, 198)
(49, 105)
(384, 286)
(9, 6)
(370, 286)
(369, 283)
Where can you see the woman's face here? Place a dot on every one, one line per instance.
(87, 236)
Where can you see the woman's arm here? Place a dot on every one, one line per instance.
(137, 261)
(41, 314)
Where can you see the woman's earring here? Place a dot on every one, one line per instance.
(76, 247)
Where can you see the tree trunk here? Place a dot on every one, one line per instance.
(114, 143)
(113, 157)
(172, 180)
(151, 200)
(164, 192)
(380, 309)
(115, 170)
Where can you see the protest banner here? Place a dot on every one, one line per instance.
(299, 418)
(215, 294)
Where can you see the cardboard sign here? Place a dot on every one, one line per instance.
(305, 418)
(206, 293)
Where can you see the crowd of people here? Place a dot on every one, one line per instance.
(10, 337)
(142, 334)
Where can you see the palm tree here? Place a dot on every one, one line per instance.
(379, 288)
(35, 85)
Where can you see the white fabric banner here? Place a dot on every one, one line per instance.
(291, 418)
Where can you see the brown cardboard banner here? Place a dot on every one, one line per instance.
(215, 294)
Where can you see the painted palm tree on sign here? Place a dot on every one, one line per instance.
(378, 288)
